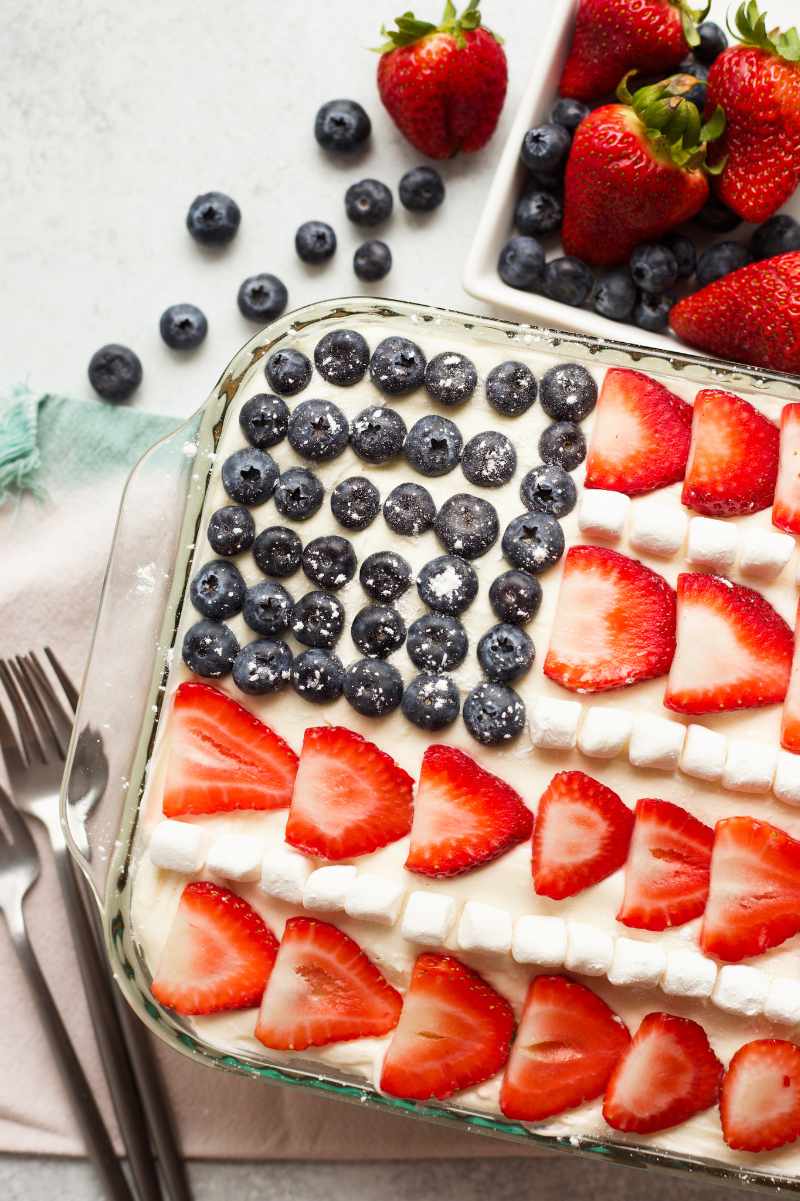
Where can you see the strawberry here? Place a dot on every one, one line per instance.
(581, 835)
(635, 171)
(566, 1047)
(667, 1074)
(349, 797)
(323, 989)
(733, 458)
(760, 1100)
(786, 508)
(640, 439)
(666, 874)
(218, 954)
(464, 816)
(454, 1032)
(790, 724)
(754, 893)
(443, 85)
(750, 316)
(758, 85)
(746, 648)
(614, 624)
(221, 757)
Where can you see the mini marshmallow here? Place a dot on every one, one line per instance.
(786, 784)
(540, 939)
(374, 899)
(236, 856)
(484, 928)
(590, 951)
(284, 874)
(712, 544)
(703, 753)
(327, 888)
(428, 918)
(741, 989)
(639, 963)
(602, 514)
(605, 731)
(689, 974)
(656, 742)
(783, 1001)
(554, 724)
(178, 846)
(657, 529)
(749, 766)
(763, 554)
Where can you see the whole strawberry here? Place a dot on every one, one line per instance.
(758, 85)
(443, 85)
(751, 316)
(635, 171)
(613, 37)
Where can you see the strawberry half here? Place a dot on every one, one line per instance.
(760, 1100)
(733, 459)
(790, 723)
(222, 758)
(786, 508)
(464, 816)
(218, 954)
(349, 797)
(567, 1045)
(640, 439)
(666, 873)
(667, 1074)
(754, 891)
(454, 1032)
(323, 989)
(614, 623)
(581, 835)
(746, 648)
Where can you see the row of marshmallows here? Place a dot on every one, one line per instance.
(429, 917)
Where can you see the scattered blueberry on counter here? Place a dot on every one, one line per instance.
(368, 202)
(533, 542)
(562, 444)
(433, 445)
(373, 687)
(262, 297)
(183, 326)
(515, 596)
(450, 378)
(489, 459)
(115, 372)
(249, 476)
(329, 561)
(318, 430)
(437, 642)
(431, 702)
(397, 366)
(262, 667)
(421, 189)
(213, 218)
(377, 434)
(511, 388)
(448, 584)
(385, 575)
(277, 551)
(288, 371)
(217, 590)
(315, 242)
(342, 357)
(267, 608)
(231, 530)
(409, 509)
(372, 261)
(209, 649)
(298, 494)
(548, 489)
(264, 420)
(378, 631)
(317, 620)
(467, 525)
(493, 713)
(317, 676)
(342, 126)
(505, 652)
(355, 502)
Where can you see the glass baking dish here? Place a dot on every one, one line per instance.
(143, 593)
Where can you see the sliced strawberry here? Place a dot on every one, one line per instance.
(786, 509)
(668, 1073)
(640, 439)
(221, 757)
(218, 954)
(454, 1032)
(790, 724)
(754, 892)
(464, 816)
(760, 1100)
(614, 625)
(349, 797)
(581, 835)
(324, 989)
(733, 459)
(666, 874)
(566, 1047)
(734, 651)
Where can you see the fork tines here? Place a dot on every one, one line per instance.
(43, 720)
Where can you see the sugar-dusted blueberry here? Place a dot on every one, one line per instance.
(450, 377)
(511, 388)
(213, 218)
(262, 297)
(712, 42)
(421, 189)
(569, 113)
(548, 489)
(437, 642)
(568, 392)
(717, 216)
(209, 649)
(342, 126)
(264, 420)
(431, 702)
(372, 260)
(545, 148)
(615, 295)
(342, 357)
(489, 459)
(433, 445)
(467, 525)
(505, 652)
(721, 259)
(317, 676)
(267, 608)
(494, 713)
(315, 241)
(654, 268)
(533, 541)
(538, 212)
(277, 551)
(231, 530)
(652, 312)
(373, 687)
(249, 476)
(409, 509)
(385, 575)
(288, 371)
(217, 590)
(448, 584)
(317, 620)
(777, 235)
(262, 667)
(318, 430)
(368, 202)
(115, 372)
(515, 596)
(397, 366)
(298, 494)
(329, 561)
(563, 444)
(355, 502)
(568, 280)
(685, 253)
(521, 263)
(377, 434)
(378, 631)
(183, 326)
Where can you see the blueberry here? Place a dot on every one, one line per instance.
(385, 575)
(277, 551)
(697, 94)
(264, 420)
(342, 126)
(533, 541)
(433, 445)
(213, 218)
(691, 66)
(368, 202)
(563, 444)
(569, 113)
(209, 649)
(183, 326)
(263, 666)
(217, 590)
(421, 189)
(298, 494)
(448, 584)
(489, 459)
(712, 42)
(373, 687)
(249, 476)
(318, 430)
(568, 280)
(267, 608)
(717, 216)
(342, 357)
(317, 676)
(548, 489)
(397, 366)
(431, 702)
(511, 388)
(315, 241)
(115, 372)
(372, 261)
(515, 596)
(505, 652)
(409, 509)
(521, 263)
(288, 371)
(685, 253)
(615, 295)
(778, 235)
(317, 620)
(568, 392)
(538, 212)
(437, 642)
(231, 530)
(377, 434)
(355, 502)
(654, 268)
(262, 297)
(467, 525)
(494, 713)
(450, 378)
(545, 148)
(721, 259)
(652, 312)
(378, 631)
(329, 561)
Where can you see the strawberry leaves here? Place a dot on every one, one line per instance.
(672, 124)
(410, 29)
(750, 27)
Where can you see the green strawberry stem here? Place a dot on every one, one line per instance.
(410, 30)
(690, 19)
(750, 27)
(673, 125)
